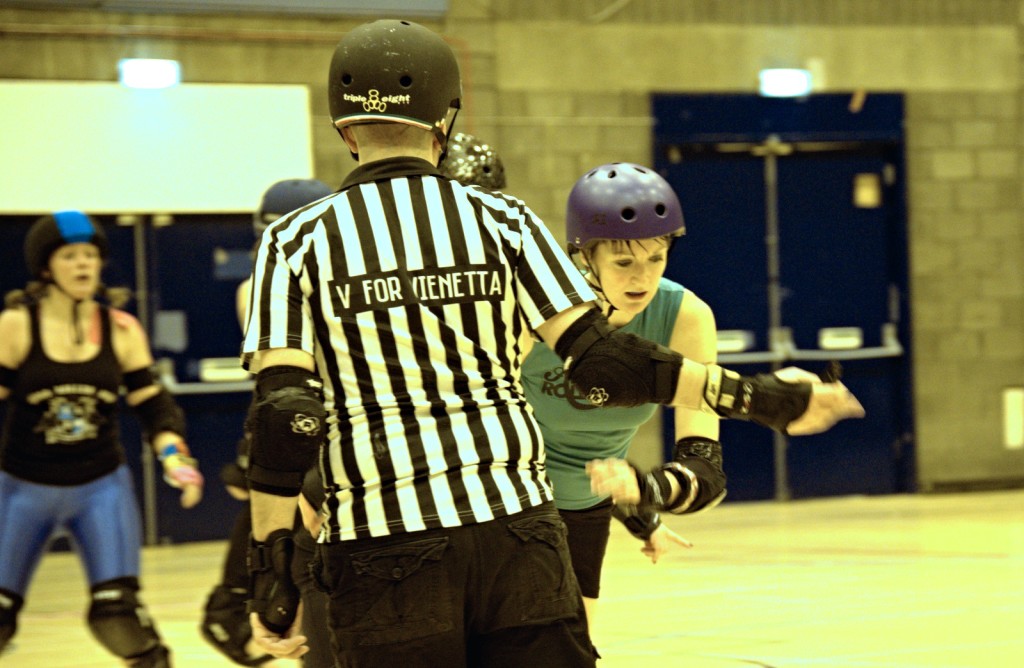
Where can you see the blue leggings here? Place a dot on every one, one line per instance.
(102, 517)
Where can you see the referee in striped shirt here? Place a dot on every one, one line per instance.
(386, 320)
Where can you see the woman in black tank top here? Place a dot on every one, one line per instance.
(64, 359)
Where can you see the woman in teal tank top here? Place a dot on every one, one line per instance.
(621, 221)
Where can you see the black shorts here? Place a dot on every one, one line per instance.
(589, 530)
(496, 594)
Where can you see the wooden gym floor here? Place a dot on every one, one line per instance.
(895, 581)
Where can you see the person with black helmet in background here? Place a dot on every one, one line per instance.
(473, 162)
(386, 322)
(225, 622)
(65, 355)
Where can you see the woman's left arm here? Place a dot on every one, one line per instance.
(162, 419)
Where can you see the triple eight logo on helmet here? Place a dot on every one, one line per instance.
(374, 101)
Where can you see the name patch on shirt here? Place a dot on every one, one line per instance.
(435, 286)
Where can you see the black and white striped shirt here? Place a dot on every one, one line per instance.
(411, 292)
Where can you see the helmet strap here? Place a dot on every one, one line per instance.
(595, 283)
(443, 134)
(79, 337)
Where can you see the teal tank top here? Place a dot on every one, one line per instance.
(574, 430)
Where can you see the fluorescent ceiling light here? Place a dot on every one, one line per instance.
(149, 72)
(785, 82)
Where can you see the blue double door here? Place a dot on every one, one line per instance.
(796, 237)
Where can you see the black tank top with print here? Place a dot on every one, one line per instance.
(61, 426)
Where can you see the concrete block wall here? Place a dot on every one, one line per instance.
(967, 241)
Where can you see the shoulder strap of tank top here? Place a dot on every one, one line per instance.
(35, 330)
(107, 328)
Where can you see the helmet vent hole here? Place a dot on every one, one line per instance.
(346, 79)
(628, 215)
(660, 210)
(405, 81)
(612, 174)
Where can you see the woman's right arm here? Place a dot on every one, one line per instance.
(14, 341)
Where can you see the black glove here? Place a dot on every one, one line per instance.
(272, 593)
(233, 475)
(640, 524)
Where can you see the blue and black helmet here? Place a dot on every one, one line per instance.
(49, 233)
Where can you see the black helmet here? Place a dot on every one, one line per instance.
(284, 197)
(51, 232)
(472, 162)
(394, 71)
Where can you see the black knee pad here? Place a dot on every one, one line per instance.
(119, 621)
(226, 625)
(10, 604)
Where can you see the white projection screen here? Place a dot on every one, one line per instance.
(105, 148)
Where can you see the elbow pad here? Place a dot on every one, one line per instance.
(287, 424)
(703, 458)
(615, 368)
(161, 413)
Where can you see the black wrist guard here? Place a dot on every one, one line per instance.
(233, 476)
(272, 593)
(762, 399)
(640, 524)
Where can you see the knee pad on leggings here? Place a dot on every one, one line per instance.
(10, 604)
(120, 623)
(226, 625)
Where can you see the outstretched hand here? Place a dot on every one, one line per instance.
(830, 402)
(289, 645)
(661, 541)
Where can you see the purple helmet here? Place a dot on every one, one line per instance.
(621, 200)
